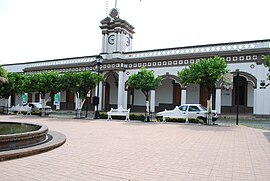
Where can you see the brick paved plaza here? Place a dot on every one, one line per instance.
(117, 150)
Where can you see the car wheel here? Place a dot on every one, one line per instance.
(203, 119)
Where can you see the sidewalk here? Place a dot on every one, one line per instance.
(118, 150)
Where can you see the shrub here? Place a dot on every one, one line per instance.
(181, 120)
(103, 115)
(139, 117)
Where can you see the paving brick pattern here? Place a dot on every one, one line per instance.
(119, 151)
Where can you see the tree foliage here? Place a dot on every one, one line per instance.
(79, 82)
(144, 80)
(266, 59)
(43, 83)
(3, 76)
(3, 72)
(14, 85)
(205, 73)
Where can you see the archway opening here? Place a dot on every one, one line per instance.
(246, 92)
(168, 95)
(110, 91)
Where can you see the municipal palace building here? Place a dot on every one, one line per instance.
(120, 62)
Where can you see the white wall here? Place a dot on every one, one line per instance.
(164, 93)
(193, 93)
(139, 98)
(261, 96)
(226, 97)
(250, 95)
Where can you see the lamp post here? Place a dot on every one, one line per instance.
(99, 60)
(237, 95)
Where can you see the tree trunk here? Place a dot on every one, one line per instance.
(209, 106)
(78, 105)
(146, 93)
(5, 105)
(43, 111)
(78, 111)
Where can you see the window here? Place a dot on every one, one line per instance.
(193, 108)
(183, 108)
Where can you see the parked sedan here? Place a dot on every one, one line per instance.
(37, 108)
(194, 111)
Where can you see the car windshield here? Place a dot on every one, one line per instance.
(202, 107)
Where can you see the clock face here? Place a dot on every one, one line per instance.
(111, 39)
(128, 41)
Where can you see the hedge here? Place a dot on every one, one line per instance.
(139, 117)
(181, 120)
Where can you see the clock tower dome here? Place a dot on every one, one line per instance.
(117, 34)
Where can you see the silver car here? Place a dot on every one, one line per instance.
(37, 108)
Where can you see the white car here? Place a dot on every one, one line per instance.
(37, 108)
(194, 111)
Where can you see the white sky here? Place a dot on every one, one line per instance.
(36, 30)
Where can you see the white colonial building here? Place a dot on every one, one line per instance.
(120, 62)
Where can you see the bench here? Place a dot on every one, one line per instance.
(175, 113)
(120, 111)
(14, 109)
(25, 109)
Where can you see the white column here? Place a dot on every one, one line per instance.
(105, 44)
(125, 99)
(255, 101)
(40, 100)
(131, 40)
(9, 101)
(183, 95)
(100, 96)
(103, 95)
(95, 107)
(218, 100)
(152, 100)
(119, 42)
(120, 88)
(76, 101)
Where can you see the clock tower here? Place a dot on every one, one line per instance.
(117, 34)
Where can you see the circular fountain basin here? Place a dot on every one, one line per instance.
(25, 139)
(15, 135)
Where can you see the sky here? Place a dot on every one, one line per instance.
(37, 30)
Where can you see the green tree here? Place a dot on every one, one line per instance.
(205, 73)
(80, 83)
(144, 80)
(4, 92)
(266, 59)
(3, 75)
(14, 85)
(44, 83)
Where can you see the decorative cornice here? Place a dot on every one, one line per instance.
(202, 49)
(149, 59)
